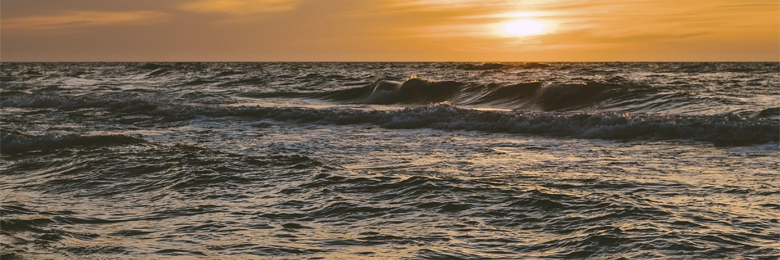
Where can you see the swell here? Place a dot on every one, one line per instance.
(609, 227)
(597, 125)
(151, 168)
(770, 112)
(12, 143)
(730, 129)
(576, 221)
(72, 103)
(139, 177)
(726, 129)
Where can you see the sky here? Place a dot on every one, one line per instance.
(389, 30)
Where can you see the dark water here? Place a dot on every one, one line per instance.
(390, 160)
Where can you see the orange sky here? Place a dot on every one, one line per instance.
(388, 30)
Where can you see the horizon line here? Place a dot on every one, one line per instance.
(293, 61)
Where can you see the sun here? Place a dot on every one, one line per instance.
(523, 27)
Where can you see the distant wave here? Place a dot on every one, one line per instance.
(614, 87)
(498, 66)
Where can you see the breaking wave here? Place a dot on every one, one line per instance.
(613, 94)
(726, 128)
(529, 95)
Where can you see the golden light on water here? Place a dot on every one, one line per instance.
(523, 27)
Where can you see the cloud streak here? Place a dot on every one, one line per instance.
(477, 17)
(81, 19)
(240, 7)
(390, 30)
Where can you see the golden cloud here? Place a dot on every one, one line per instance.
(652, 20)
(80, 19)
(427, 5)
(240, 7)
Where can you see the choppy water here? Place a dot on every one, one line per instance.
(390, 160)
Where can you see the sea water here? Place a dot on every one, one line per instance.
(390, 160)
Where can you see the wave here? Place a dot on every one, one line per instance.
(159, 72)
(13, 143)
(149, 66)
(552, 97)
(722, 129)
(770, 112)
(229, 73)
(499, 66)
(413, 91)
(72, 103)
(529, 95)
(725, 128)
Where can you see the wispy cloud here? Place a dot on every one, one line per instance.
(479, 18)
(80, 19)
(240, 7)
(442, 5)
(447, 7)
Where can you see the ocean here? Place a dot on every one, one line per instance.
(390, 160)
